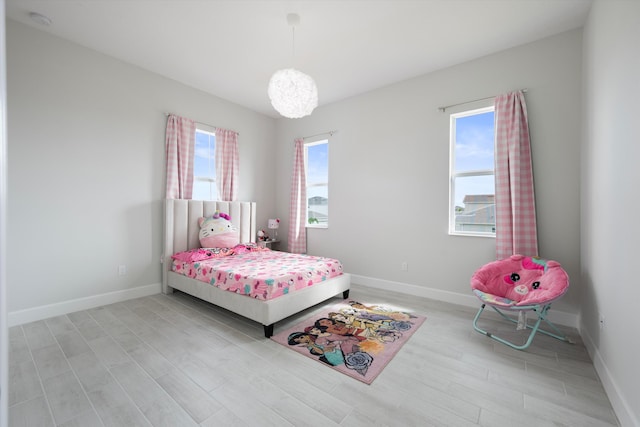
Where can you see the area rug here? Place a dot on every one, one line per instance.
(356, 339)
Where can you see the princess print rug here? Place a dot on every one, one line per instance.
(356, 339)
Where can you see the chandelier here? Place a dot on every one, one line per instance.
(293, 93)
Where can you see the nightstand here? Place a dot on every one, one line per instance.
(271, 244)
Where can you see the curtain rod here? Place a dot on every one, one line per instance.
(443, 109)
(330, 133)
(200, 123)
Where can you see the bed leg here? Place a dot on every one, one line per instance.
(268, 330)
(345, 294)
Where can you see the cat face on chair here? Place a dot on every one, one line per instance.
(527, 276)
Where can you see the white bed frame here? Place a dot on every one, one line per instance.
(181, 234)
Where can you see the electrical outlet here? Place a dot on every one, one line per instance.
(404, 266)
(122, 270)
(601, 322)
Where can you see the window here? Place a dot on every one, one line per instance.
(204, 166)
(316, 160)
(472, 209)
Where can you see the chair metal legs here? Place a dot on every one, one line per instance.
(541, 312)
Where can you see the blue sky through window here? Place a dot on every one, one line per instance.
(204, 161)
(318, 161)
(317, 165)
(204, 166)
(474, 142)
(474, 151)
(317, 169)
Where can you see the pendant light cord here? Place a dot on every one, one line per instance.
(293, 45)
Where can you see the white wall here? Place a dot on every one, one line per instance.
(86, 169)
(609, 200)
(389, 170)
(4, 335)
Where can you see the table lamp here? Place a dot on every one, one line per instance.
(273, 224)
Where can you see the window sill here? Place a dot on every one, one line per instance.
(454, 233)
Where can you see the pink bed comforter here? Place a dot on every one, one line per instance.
(263, 274)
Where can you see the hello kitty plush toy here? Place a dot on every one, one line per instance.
(263, 236)
(218, 232)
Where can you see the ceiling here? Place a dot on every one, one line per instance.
(230, 48)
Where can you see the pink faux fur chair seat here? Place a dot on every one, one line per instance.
(520, 281)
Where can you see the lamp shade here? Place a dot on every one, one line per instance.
(293, 93)
(273, 224)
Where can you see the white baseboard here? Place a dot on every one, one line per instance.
(470, 300)
(20, 317)
(621, 406)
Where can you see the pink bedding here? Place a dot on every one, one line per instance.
(258, 272)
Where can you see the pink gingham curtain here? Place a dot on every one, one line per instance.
(180, 144)
(227, 164)
(516, 231)
(298, 203)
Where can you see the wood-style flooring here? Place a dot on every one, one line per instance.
(172, 360)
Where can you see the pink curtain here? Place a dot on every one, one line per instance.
(180, 145)
(227, 164)
(516, 231)
(298, 202)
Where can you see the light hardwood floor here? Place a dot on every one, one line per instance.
(171, 360)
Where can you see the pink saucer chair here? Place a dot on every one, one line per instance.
(519, 284)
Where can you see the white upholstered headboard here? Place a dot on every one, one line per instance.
(181, 225)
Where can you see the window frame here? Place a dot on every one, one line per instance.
(453, 175)
(308, 184)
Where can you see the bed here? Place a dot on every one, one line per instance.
(181, 234)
